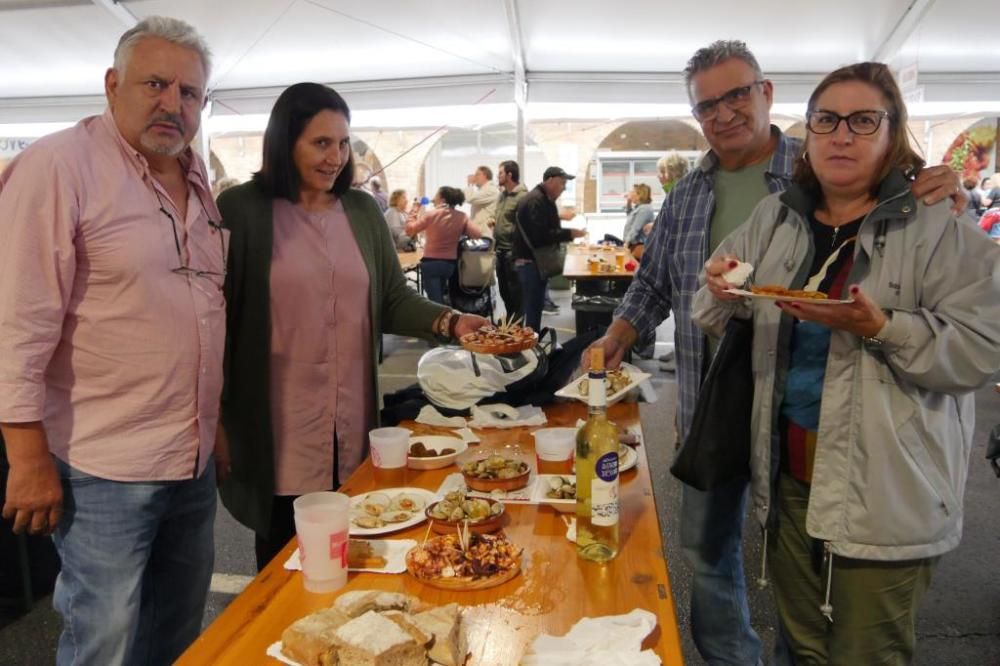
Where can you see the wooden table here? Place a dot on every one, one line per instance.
(575, 265)
(554, 590)
(410, 263)
(595, 295)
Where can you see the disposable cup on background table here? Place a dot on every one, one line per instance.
(388, 450)
(554, 448)
(321, 525)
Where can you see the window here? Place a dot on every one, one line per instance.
(618, 172)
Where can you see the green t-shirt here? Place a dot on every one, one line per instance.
(737, 193)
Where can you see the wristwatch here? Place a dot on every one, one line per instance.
(872, 343)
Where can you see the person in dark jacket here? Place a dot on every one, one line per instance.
(538, 219)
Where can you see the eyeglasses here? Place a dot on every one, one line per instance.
(862, 123)
(734, 99)
(183, 269)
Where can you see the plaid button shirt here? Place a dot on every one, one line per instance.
(675, 255)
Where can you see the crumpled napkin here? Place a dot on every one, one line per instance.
(429, 415)
(505, 416)
(613, 640)
(467, 435)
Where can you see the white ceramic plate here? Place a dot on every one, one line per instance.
(636, 377)
(626, 460)
(787, 299)
(629, 460)
(436, 443)
(418, 516)
(542, 487)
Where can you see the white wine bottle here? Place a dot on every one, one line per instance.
(597, 473)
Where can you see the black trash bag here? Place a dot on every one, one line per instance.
(993, 450)
(717, 448)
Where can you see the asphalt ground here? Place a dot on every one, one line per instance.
(959, 622)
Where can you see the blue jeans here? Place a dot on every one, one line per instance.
(136, 565)
(435, 273)
(533, 287)
(711, 537)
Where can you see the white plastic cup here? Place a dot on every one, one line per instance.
(322, 522)
(389, 447)
(554, 448)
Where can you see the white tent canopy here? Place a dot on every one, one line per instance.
(473, 62)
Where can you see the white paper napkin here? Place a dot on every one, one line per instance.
(393, 550)
(505, 416)
(468, 436)
(613, 640)
(429, 415)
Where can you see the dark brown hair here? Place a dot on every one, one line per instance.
(292, 111)
(642, 190)
(900, 155)
(452, 196)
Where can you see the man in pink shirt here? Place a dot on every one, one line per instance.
(112, 325)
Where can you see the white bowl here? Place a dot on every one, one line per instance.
(435, 443)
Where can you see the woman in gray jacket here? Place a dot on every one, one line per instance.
(863, 411)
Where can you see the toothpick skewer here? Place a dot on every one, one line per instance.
(427, 533)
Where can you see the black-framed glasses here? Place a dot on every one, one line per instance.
(734, 99)
(863, 122)
(184, 269)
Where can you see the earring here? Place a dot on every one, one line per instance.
(805, 156)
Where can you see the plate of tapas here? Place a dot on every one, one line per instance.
(774, 292)
(385, 511)
(464, 560)
(617, 383)
(458, 509)
(505, 337)
(496, 472)
(434, 451)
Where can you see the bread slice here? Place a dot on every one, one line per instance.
(406, 623)
(445, 623)
(372, 640)
(310, 641)
(358, 602)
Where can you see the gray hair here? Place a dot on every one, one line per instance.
(716, 53)
(171, 29)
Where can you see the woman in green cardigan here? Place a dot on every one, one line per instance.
(313, 282)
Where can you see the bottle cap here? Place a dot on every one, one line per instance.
(597, 358)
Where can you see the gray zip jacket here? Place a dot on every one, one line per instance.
(896, 422)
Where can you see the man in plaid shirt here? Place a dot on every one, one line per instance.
(749, 159)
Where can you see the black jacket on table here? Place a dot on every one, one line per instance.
(538, 216)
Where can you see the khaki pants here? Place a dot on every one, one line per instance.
(874, 603)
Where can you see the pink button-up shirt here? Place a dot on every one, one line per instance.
(321, 356)
(118, 356)
(443, 227)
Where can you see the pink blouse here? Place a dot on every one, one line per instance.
(443, 227)
(321, 372)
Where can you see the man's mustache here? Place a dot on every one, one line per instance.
(168, 118)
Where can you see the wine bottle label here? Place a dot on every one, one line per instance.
(596, 391)
(604, 491)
